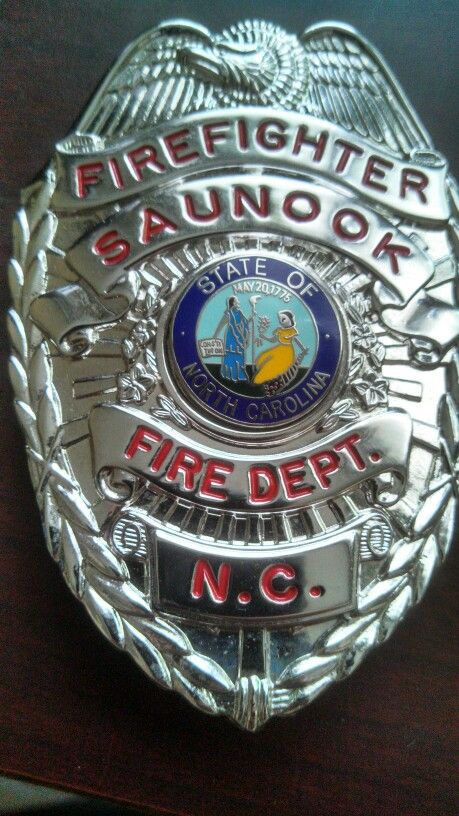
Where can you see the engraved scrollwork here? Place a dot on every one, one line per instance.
(169, 410)
(78, 342)
(137, 382)
(118, 485)
(365, 384)
(398, 550)
(368, 354)
(99, 577)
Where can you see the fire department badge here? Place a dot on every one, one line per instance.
(234, 361)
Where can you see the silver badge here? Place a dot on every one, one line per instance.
(234, 359)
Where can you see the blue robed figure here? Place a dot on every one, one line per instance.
(235, 341)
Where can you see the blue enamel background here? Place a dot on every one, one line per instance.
(276, 270)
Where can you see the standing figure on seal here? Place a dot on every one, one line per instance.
(278, 359)
(235, 341)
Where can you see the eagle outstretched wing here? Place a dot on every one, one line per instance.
(349, 84)
(150, 82)
(181, 67)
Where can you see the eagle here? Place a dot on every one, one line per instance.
(181, 67)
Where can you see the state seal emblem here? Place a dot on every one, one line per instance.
(261, 350)
(234, 333)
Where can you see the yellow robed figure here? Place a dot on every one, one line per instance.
(276, 360)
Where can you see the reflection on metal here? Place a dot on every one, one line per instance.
(129, 538)
(375, 539)
(234, 332)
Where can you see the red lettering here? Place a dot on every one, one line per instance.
(216, 586)
(242, 136)
(268, 137)
(144, 156)
(161, 455)
(348, 150)
(392, 251)
(375, 170)
(111, 242)
(115, 173)
(322, 464)
(140, 441)
(153, 223)
(269, 575)
(318, 143)
(243, 200)
(85, 176)
(343, 229)
(414, 180)
(176, 143)
(216, 132)
(348, 445)
(188, 464)
(202, 218)
(214, 477)
(292, 475)
(295, 215)
(263, 485)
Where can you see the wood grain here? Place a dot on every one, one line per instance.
(76, 713)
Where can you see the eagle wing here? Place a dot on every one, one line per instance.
(179, 66)
(150, 83)
(350, 85)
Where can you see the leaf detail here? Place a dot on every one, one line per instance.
(17, 334)
(146, 655)
(446, 527)
(395, 611)
(42, 198)
(200, 698)
(378, 593)
(28, 422)
(449, 420)
(427, 563)
(342, 411)
(42, 236)
(52, 469)
(52, 525)
(344, 635)
(405, 555)
(21, 237)
(165, 636)
(39, 372)
(106, 618)
(74, 507)
(95, 549)
(431, 509)
(123, 595)
(356, 365)
(18, 379)
(15, 282)
(365, 641)
(309, 693)
(453, 377)
(35, 282)
(49, 417)
(307, 670)
(71, 560)
(203, 670)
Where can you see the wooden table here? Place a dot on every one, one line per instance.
(74, 712)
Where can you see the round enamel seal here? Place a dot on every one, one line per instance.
(256, 340)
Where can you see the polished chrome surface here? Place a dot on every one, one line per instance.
(249, 524)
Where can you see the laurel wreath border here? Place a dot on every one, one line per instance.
(99, 577)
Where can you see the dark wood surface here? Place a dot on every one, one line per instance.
(78, 714)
